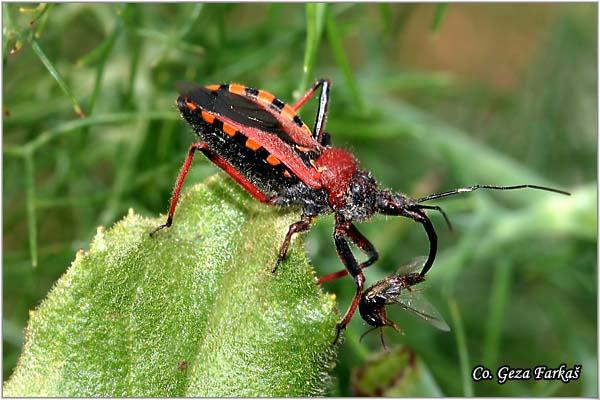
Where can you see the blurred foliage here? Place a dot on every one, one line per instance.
(397, 373)
(428, 99)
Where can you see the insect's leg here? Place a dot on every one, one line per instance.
(239, 178)
(296, 227)
(353, 268)
(362, 243)
(310, 93)
(420, 217)
(178, 184)
(325, 85)
(382, 341)
(221, 163)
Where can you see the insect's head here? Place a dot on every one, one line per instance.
(372, 310)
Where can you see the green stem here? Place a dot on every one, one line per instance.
(461, 344)
(31, 217)
(57, 77)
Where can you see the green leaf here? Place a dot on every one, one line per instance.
(194, 311)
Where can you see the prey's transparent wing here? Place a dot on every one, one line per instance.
(412, 267)
(391, 287)
(413, 301)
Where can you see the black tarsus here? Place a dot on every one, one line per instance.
(475, 187)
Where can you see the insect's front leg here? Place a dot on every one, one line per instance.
(420, 217)
(363, 244)
(296, 227)
(343, 250)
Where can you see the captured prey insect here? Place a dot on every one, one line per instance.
(264, 145)
(398, 289)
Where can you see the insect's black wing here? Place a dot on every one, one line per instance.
(237, 108)
(414, 302)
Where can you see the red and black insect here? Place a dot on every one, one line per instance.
(262, 143)
(398, 288)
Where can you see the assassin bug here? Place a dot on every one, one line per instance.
(262, 143)
(398, 289)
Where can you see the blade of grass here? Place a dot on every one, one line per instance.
(191, 20)
(385, 13)
(440, 12)
(7, 31)
(31, 217)
(461, 344)
(40, 7)
(156, 35)
(315, 18)
(498, 301)
(132, 18)
(124, 173)
(100, 68)
(54, 72)
(14, 151)
(43, 21)
(174, 40)
(335, 41)
(73, 125)
(97, 53)
(41, 10)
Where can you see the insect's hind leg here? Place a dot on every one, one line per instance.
(297, 227)
(178, 184)
(363, 244)
(221, 163)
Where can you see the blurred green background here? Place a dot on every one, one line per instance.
(428, 97)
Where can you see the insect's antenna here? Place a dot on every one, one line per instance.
(364, 334)
(475, 187)
(441, 211)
